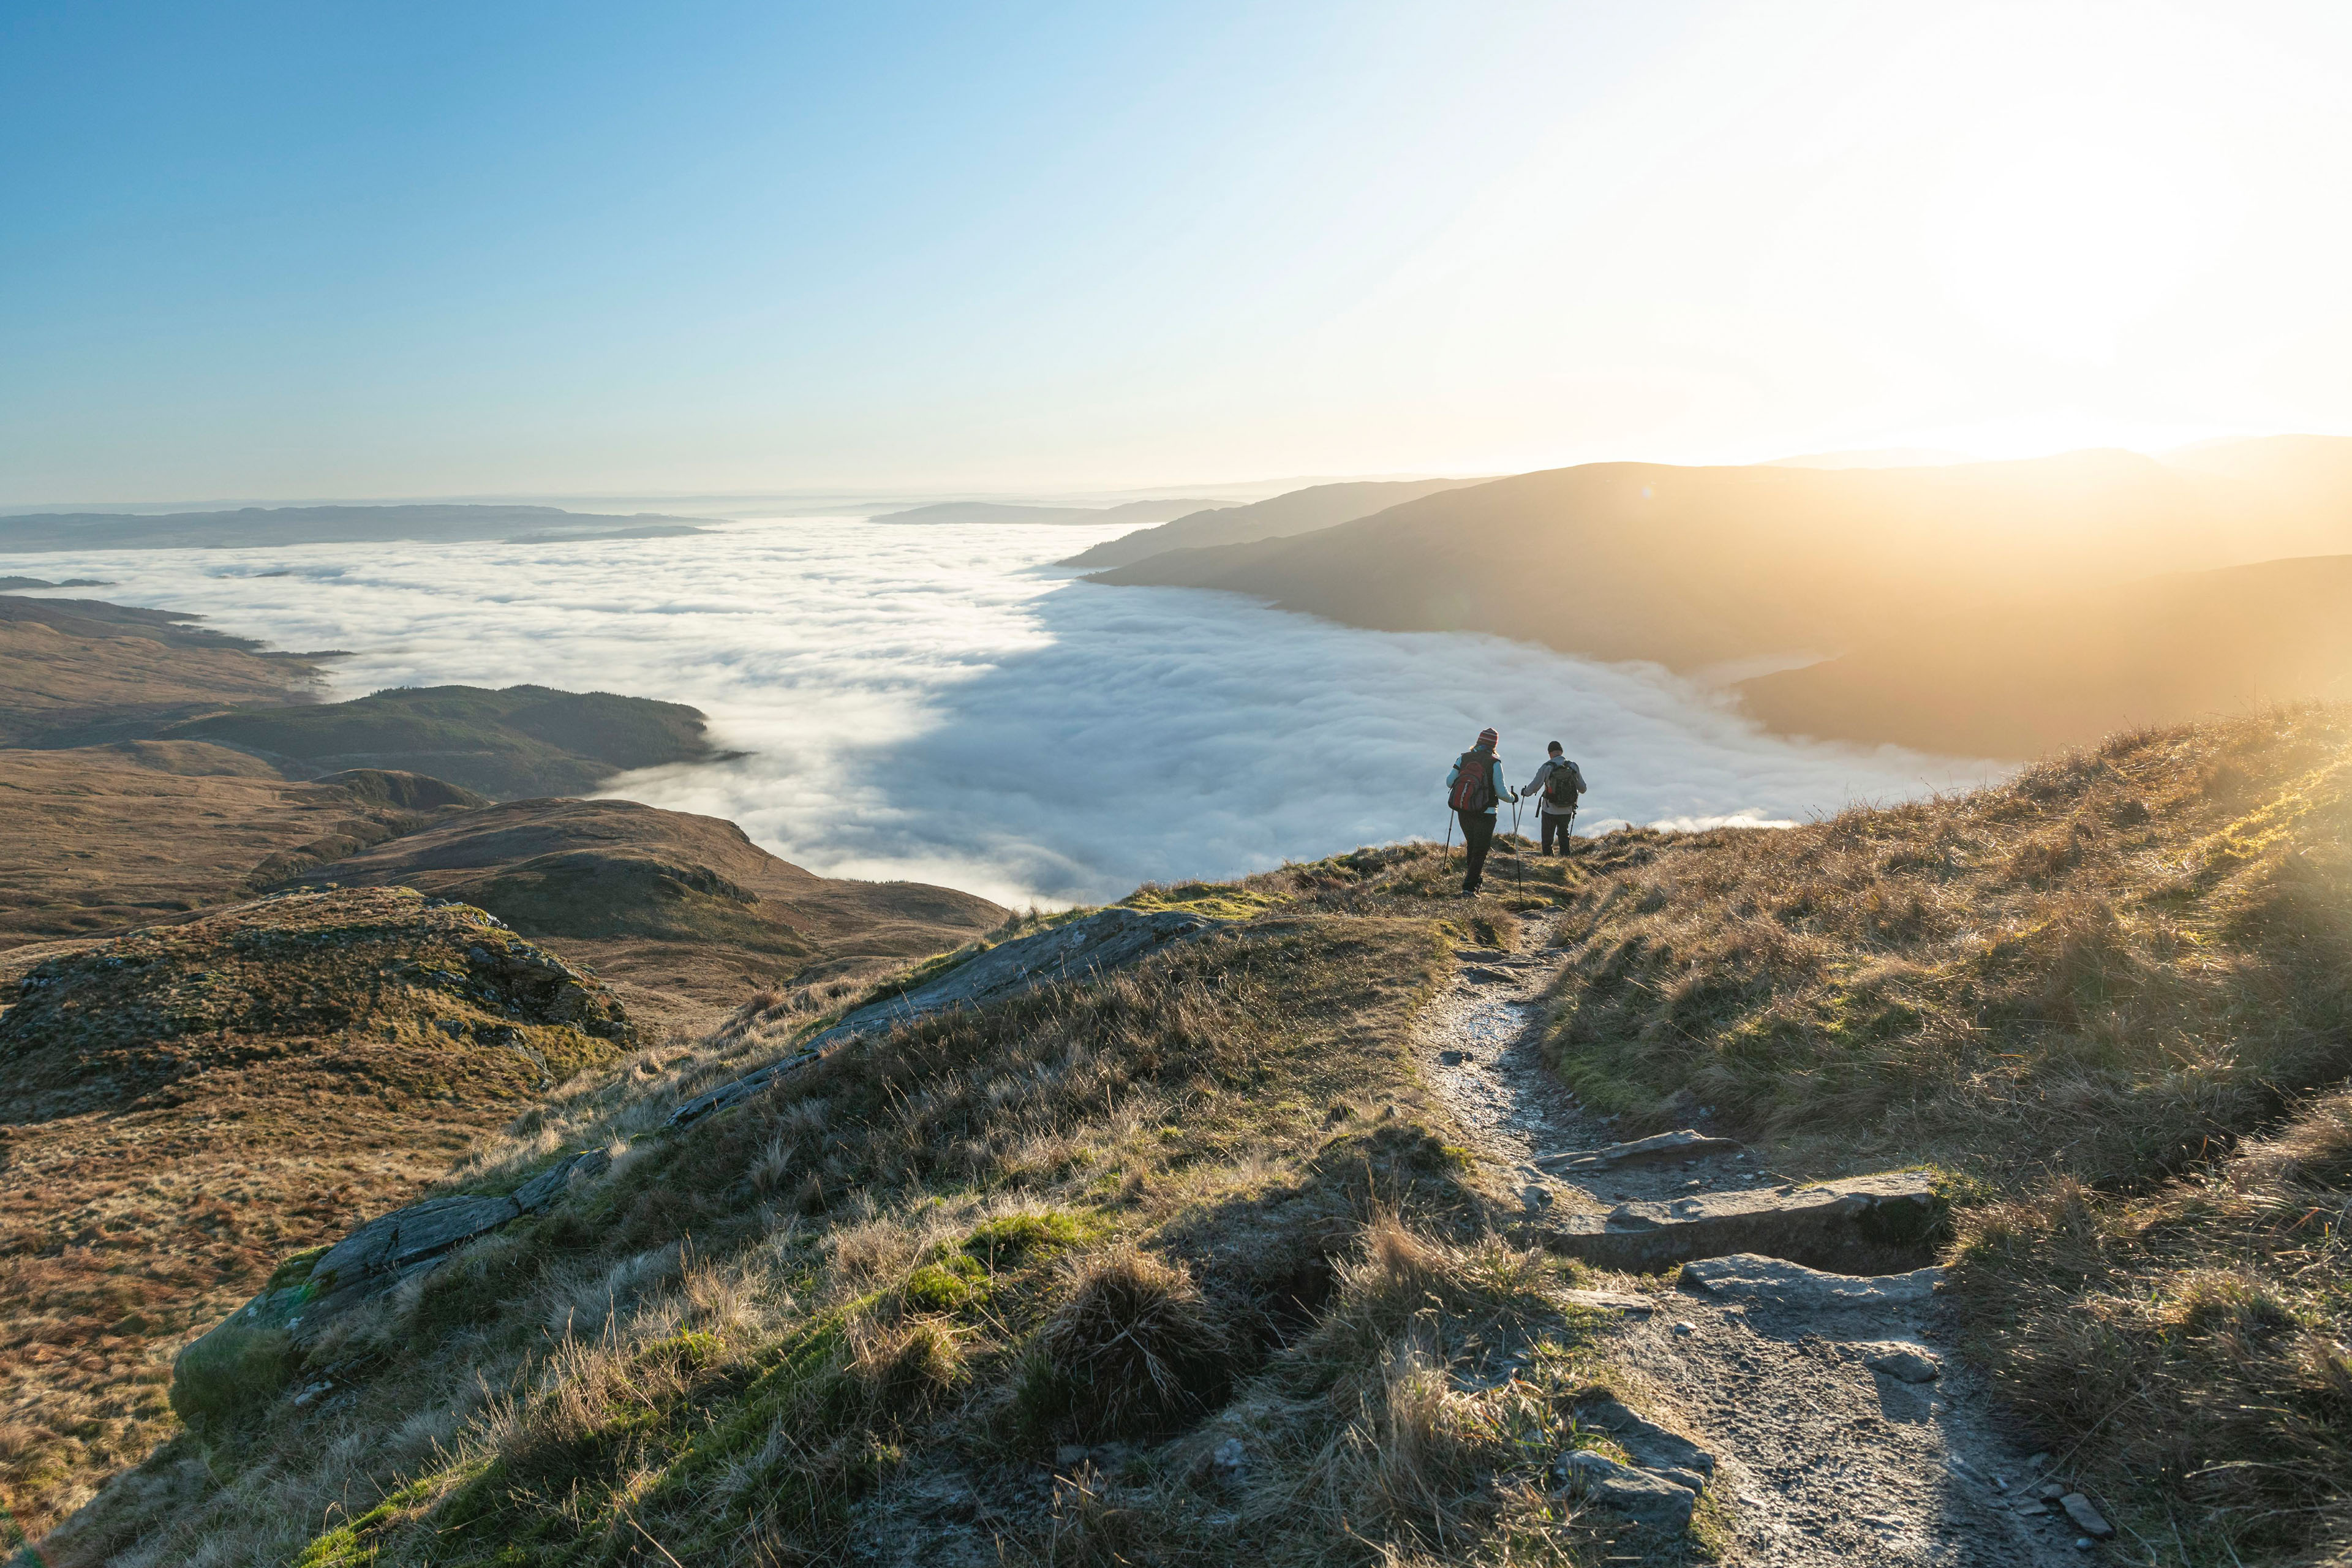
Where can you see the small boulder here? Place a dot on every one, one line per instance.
(2087, 1519)
(1906, 1365)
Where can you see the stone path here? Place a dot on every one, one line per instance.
(1842, 1429)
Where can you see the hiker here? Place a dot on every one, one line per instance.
(1474, 788)
(1560, 782)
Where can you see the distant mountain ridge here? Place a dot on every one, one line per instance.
(1693, 567)
(260, 527)
(1000, 511)
(1296, 512)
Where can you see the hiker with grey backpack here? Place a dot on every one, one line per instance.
(1472, 789)
(1560, 782)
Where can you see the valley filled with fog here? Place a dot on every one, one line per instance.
(939, 702)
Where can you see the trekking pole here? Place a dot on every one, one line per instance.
(1519, 850)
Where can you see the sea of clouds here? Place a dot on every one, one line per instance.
(938, 703)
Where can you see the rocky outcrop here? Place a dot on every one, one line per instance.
(252, 1354)
(1828, 1222)
(1106, 939)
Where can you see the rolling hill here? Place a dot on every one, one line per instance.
(1297, 511)
(514, 742)
(999, 511)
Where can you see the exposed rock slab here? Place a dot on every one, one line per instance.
(1652, 1447)
(1637, 1494)
(1780, 1283)
(1109, 939)
(1622, 1302)
(1822, 1223)
(1685, 1144)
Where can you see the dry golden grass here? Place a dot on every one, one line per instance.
(187, 1106)
(1092, 1212)
(2097, 997)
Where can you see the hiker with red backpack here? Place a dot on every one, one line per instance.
(1560, 782)
(1474, 788)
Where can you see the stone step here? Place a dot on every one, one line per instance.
(1867, 1219)
(1776, 1283)
(1687, 1143)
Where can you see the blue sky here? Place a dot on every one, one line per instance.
(334, 249)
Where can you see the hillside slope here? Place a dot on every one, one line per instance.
(683, 915)
(1189, 1263)
(97, 838)
(1296, 512)
(2065, 669)
(76, 671)
(183, 1106)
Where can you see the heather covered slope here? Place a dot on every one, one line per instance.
(183, 1106)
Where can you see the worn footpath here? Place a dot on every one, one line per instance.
(1840, 1429)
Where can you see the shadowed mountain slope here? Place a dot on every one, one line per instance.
(1298, 512)
(2018, 680)
(517, 740)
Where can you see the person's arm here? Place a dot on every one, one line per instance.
(1536, 783)
(1453, 776)
(1502, 790)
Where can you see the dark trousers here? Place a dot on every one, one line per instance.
(1478, 838)
(1555, 826)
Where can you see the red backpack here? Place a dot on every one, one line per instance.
(1473, 787)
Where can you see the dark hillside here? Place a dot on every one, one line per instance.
(515, 742)
(183, 1106)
